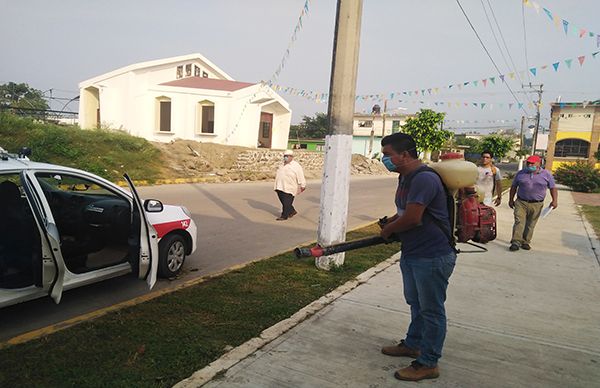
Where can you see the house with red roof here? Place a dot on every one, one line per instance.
(185, 97)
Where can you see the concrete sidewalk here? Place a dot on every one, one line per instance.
(515, 319)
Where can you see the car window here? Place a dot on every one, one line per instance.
(95, 222)
(68, 183)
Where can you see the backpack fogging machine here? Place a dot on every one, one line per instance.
(470, 220)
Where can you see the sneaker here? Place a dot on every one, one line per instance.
(400, 350)
(513, 247)
(526, 246)
(417, 371)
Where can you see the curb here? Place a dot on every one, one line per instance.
(213, 179)
(173, 181)
(44, 331)
(589, 230)
(239, 353)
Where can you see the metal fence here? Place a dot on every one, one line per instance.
(47, 115)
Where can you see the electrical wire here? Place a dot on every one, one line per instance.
(494, 35)
(525, 40)
(489, 55)
(76, 98)
(514, 67)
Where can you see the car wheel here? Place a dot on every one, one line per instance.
(172, 256)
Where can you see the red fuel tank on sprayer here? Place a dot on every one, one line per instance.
(473, 221)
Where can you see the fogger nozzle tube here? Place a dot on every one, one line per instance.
(318, 251)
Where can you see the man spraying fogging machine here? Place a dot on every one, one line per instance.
(471, 221)
(430, 218)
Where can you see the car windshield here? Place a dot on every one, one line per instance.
(57, 182)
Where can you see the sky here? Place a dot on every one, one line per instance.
(406, 46)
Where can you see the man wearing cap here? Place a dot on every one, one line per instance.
(289, 182)
(530, 185)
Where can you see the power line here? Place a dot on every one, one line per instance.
(514, 67)
(76, 98)
(525, 40)
(572, 92)
(494, 35)
(489, 56)
(57, 98)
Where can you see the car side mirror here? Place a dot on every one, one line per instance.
(153, 206)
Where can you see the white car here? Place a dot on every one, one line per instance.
(62, 228)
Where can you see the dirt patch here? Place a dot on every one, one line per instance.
(592, 199)
(190, 159)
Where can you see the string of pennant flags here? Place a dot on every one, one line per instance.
(490, 106)
(503, 121)
(320, 97)
(275, 75)
(568, 27)
(286, 55)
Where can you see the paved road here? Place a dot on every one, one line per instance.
(508, 167)
(236, 224)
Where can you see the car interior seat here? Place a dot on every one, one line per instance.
(18, 240)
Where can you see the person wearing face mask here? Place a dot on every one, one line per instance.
(289, 182)
(422, 224)
(530, 185)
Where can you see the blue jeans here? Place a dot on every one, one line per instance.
(425, 284)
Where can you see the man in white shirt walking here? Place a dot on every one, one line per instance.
(289, 182)
(489, 180)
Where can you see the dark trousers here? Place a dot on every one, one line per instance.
(287, 201)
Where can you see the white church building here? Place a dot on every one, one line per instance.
(185, 97)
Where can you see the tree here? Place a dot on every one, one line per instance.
(497, 144)
(426, 129)
(311, 127)
(21, 96)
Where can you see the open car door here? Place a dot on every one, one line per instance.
(53, 265)
(148, 258)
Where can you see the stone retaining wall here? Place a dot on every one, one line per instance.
(267, 161)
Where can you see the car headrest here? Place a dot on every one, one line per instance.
(9, 193)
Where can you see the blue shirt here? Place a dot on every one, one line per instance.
(532, 186)
(426, 240)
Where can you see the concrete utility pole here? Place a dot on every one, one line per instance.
(521, 135)
(539, 91)
(372, 135)
(521, 145)
(383, 118)
(333, 215)
(376, 110)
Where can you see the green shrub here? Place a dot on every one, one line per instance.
(103, 152)
(580, 176)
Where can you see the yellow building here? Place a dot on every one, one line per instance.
(574, 133)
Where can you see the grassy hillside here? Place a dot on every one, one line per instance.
(105, 153)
